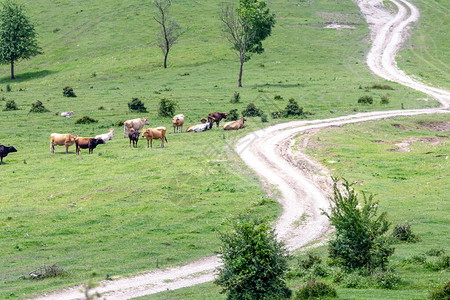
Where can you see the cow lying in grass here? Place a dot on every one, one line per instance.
(201, 127)
(133, 135)
(64, 139)
(234, 125)
(67, 114)
(155, 134)
(106, 136)
(87, 143)
(4, 151)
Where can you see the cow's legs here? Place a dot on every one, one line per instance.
(67, 149)
(52, 147)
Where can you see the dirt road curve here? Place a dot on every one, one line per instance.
(267, 152)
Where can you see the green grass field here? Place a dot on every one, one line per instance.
(122, 211)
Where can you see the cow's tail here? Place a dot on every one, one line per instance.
(124, 130)
(165, 139)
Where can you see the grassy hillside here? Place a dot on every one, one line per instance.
(121, 211)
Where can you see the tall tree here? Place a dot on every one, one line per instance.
(246, 27)
(170, 29)
(18, 38)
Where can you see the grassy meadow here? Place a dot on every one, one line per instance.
(122, 211)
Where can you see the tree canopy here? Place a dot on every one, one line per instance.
(18, 38)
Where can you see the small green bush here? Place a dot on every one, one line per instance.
(354, 280)
(276, 114)
(118, 123)
(310, 261)
(384, 99)
(365, 100)
(277, 97)
(38, 107)
(264, 118)
(233, 115)
(441, 292)
(167, 107)
(315, 289)
(236, 97)
(293, 109)
(68, 92)
(442, 263)
(252, 111)
(137, 105)
(386, 280)
(403, 232)
(86, 120)
(8, 88)
(435, 252)
(382, 87)
(10, 105)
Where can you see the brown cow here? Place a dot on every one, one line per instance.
(136, 124)
(217, 116)
(234, 125)
(87, 143)
(178, 122)
(61, 140)
(155, 134)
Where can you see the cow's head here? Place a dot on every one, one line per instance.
(145, 121)
(224, 115)
(111, 130)
(99, 141)
(11, 149)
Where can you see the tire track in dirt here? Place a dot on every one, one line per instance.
(268, 153)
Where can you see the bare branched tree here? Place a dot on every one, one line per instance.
(238, 34)
(170, 29)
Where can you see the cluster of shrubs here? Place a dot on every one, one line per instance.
(38, 107)
(10, 105)
(68, 92)
(433, 260)
(137, 105)
(86, 120)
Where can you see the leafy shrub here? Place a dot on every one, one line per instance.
(403, 232)
(382, 87)
(38, 107)
(365, 100)
(315, 289)
(68, 92)
(86, 120)
(46, 272)
(118, 123)
(254, 261)
(415, 259)
(8, 88)
(292, 109)
(360, 240)
(264, 118)
(10, 105)
(277, 97)
(310, 261)
(435, 252)
(136, 105)
(101, 107)
(252, 111)
(276, 114)
(354, 280)
(236, 97)
(442, 263)
(167, 107)
(386, 280)
(233, 115)
(441, 292)
(384, 99)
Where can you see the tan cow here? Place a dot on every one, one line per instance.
(61, 140)
(234, 125)
(155, 134)
(136, 124)
(178, 122)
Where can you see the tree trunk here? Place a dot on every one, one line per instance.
(165, 59)
(240, 72)
(12, 70)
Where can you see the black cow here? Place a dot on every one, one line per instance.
(216, 117)
(87, 143)
(134, 136)
(4, 152)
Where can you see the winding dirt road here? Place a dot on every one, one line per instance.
(267, 152)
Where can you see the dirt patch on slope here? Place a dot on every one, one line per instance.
(436, 126)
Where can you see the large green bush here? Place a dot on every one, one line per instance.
(254, 262)
(137, 105)
(252, 111)
(292, 109)
(233, 115)
(38, 107)
(167, 107)
(361, 240)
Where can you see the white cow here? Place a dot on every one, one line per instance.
(106, 136)
(67, 114)
(136, 124)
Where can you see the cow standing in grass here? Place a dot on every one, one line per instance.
(133, 135)
(136, 124)
(217, 117)
(155, 134)
(87, 143)
(4, 151)
(178, 122)
(61, 140)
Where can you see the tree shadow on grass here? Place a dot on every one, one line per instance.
(21, 77)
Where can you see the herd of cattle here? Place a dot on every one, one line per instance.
(132, 130)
